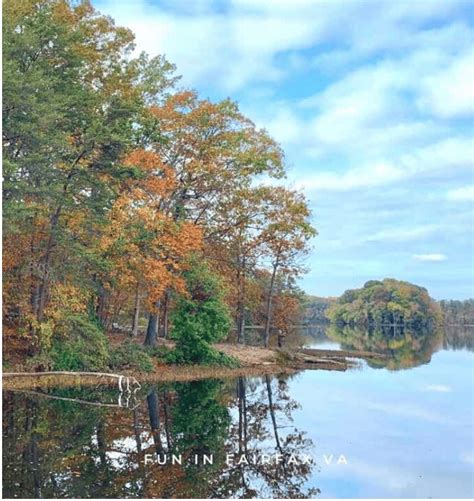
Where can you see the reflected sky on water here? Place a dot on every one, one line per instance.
(401, 431)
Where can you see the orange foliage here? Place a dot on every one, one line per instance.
(144, 241)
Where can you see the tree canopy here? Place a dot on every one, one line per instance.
(114, 176)
(386, 302)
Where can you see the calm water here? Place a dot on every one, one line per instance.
(401, 428)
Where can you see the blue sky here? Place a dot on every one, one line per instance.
(373, 104)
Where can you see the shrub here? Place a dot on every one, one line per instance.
(206, 356)
(40, 362)
(131, 356)
(200, 318)
(160, 352)
(79, 344)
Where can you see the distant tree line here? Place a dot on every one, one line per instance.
(458, 312)
(315, 310)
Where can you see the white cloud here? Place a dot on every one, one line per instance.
(449, 92)
(230, 50)
(463, 194)
(438, 388)
(430, 257)
(407, 410)
(365, 177)
(369, 100)
(439, 159)
(240, 45)
(386, 105)
(403, 234)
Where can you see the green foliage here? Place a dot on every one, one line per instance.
(200, 318)
(131, 356)
(160, 352)
(80, 345)
(207, 356)
(199, 418)
(315, 309)
(386, 302)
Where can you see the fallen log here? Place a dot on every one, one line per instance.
(121, 379)
(342, 353)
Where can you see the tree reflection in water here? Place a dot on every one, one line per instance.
(264, 418)
(402, 347)
(56, 448)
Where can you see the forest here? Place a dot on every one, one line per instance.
(386, 302)
(458, 312)
(133, 204)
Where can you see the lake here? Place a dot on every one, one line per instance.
(399, 427)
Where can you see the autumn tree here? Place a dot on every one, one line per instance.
(214, 151)
(237, 245)
(147, 245)
(286, 238)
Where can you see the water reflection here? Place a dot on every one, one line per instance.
(405, 433)
(401, 347)
(59, 448)
(459, 338)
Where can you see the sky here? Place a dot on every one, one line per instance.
(373, 104)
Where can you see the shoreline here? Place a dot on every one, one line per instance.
(254, 361)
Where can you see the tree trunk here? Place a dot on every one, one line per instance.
(101, 309)
(268, 319)
(154, 415)
(281, 338)
(165, 315)
(169, 441)
(101, 444)
(44, 283)
(136, 312)
(241, 390)
(152, 329)
(241, 306)
(241, 333)
(46, 261)
(272, 414)
(34, 286)
(136, 430)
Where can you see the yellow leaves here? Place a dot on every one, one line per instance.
(63, 13)
(174, 105)
(66, 297)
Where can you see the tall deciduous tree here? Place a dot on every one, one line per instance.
(286, 240)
